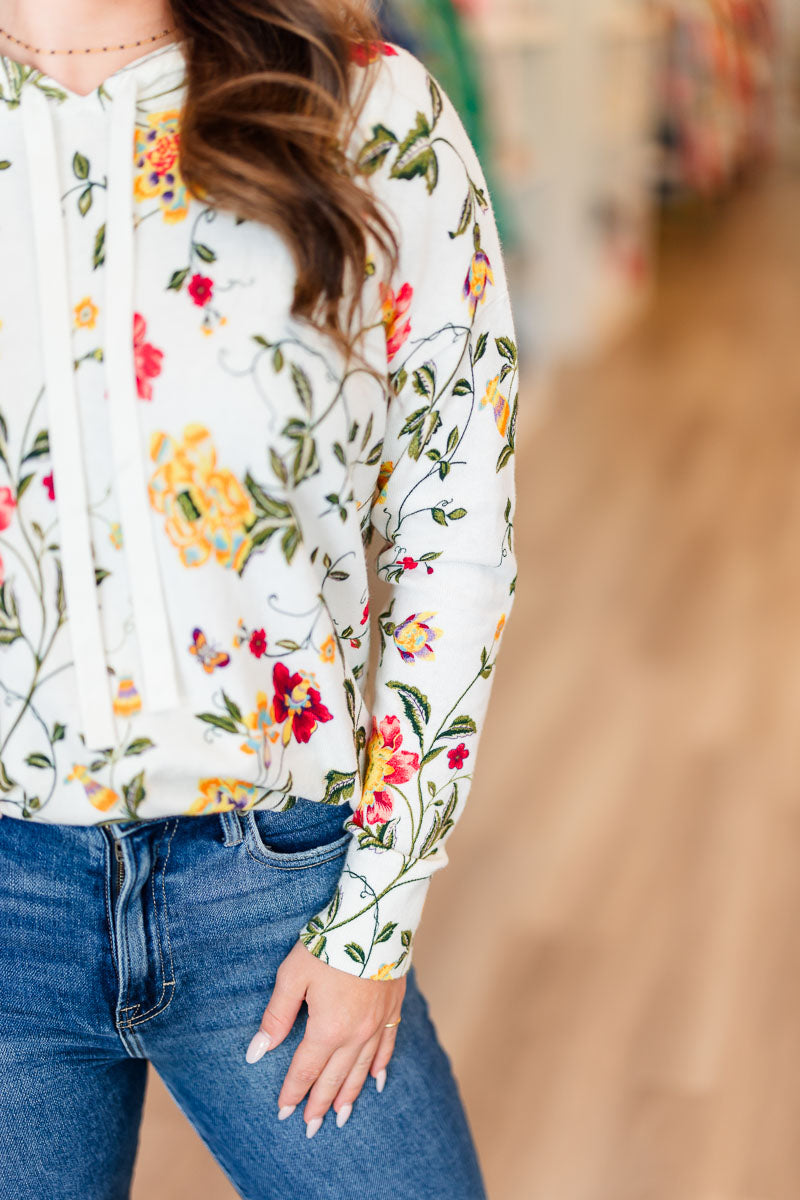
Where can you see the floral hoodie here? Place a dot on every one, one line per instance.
(192, 487)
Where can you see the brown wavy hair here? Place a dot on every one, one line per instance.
(273, 93)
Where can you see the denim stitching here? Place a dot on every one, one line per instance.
(110, 918)
(301, 866)
(159, 1005)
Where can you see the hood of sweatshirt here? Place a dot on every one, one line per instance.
(47, 109)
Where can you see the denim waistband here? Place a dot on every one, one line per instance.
(229, 820)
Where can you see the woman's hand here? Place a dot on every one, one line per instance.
(345, 1036)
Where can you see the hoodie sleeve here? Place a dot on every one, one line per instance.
(444, 503)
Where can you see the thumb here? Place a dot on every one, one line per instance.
(279, 1015)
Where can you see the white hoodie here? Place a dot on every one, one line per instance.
(189, 484)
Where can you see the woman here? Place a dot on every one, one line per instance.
(256, 327)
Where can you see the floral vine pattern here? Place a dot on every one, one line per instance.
(270, 468)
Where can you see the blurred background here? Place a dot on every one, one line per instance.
(610, 956)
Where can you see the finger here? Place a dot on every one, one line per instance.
(280, 1014)
(383, 1054)
(351, 1088)
(307, 1064)
(330, 1081)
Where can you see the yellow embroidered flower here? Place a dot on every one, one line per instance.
(327, 650)
(221, 795)
(500, 625)
(97, 793)
(127, 699)
(158, 174)
(384, 972)
(498, 403)
(383, 479)
(115, 535)
(265, 729)
(387, 766)
(413, 637)
(86, 313)
(479, 275)
(206, 508)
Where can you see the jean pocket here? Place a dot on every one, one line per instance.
(304, 836)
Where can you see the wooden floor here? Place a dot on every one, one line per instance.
(620, 989)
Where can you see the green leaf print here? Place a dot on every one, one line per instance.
(338, 786)
(415, 703)
(437, 103)
(461, 727)
(416, 156)
(374, 151)
(99, 251)
(302, 387)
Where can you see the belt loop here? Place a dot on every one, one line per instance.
(232, 828)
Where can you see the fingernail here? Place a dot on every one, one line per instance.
(313, 1126)
(258, 1046)
(286, 1111)
(380, 1079)
(343, 1114)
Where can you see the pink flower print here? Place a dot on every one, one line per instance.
(297, 703)
(147, 358)
(455, 757)
(364, 54)
(394, 307)
(201, 289)
(387, 765)
(258, 643)
(408, 564)
(7, 506)
(48, 483)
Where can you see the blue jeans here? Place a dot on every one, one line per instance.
(169, 956)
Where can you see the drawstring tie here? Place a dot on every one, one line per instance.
(159, 682)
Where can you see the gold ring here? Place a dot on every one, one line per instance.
(389, 1024)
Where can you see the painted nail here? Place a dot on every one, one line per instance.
(259, 1045)
(343, 1114)
(286, 1111)
(313, 1126)
(380, 1079)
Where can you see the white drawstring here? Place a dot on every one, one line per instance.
(149, 610)
(66, 452)
(80, 587)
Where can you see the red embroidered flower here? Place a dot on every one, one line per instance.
(408, 564)
(258, 642)
(363, 54)
(366, 614)
(48, 483)
(297, 703)
(455, 757)
(7, 506)
(200, 288)
(147, 358)
(387, 765)
(394, 307)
